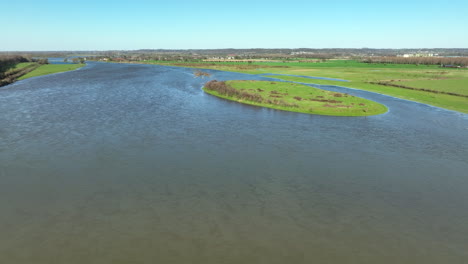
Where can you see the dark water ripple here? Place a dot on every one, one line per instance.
(119, 163)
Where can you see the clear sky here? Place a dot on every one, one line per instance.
(181, 24)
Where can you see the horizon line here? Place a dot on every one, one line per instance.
(187, 49)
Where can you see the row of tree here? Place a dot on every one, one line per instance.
(75, 60)
(9, 61)
(443, 61)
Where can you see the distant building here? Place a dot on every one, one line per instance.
(418, 55)
(301, 52)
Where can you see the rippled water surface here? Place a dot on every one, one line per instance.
(118, 163)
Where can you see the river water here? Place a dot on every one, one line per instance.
(119, 163)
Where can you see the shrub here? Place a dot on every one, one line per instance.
(224, 89)
(199, 73)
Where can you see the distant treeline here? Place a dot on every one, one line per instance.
(303, 52)
(443, 61)
(180, 54)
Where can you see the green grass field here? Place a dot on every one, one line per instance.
(302, 98)
(360, 74)
(51, 68)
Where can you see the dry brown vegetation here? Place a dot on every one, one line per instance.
(326, 101)
(199, 73)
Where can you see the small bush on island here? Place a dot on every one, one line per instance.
(224, 89)
(199, 73)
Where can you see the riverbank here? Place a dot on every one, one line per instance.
(27, 70)
(429, 84)
(294, 97)
(50, 69)
(16, 71)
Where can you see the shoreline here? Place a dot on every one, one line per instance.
(60, 68)
(40, 70)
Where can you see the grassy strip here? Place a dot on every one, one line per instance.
(418, 89)
(51, 68)
(294, 97)
(456, 85)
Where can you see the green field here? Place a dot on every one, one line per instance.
(300, 98)
(51, 68)
(360, 75)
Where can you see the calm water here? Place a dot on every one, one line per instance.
(120, 163)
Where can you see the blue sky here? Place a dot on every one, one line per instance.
(141, 24)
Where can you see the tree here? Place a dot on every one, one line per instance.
(43, 61)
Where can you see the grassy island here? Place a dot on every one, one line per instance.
(294, 97)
